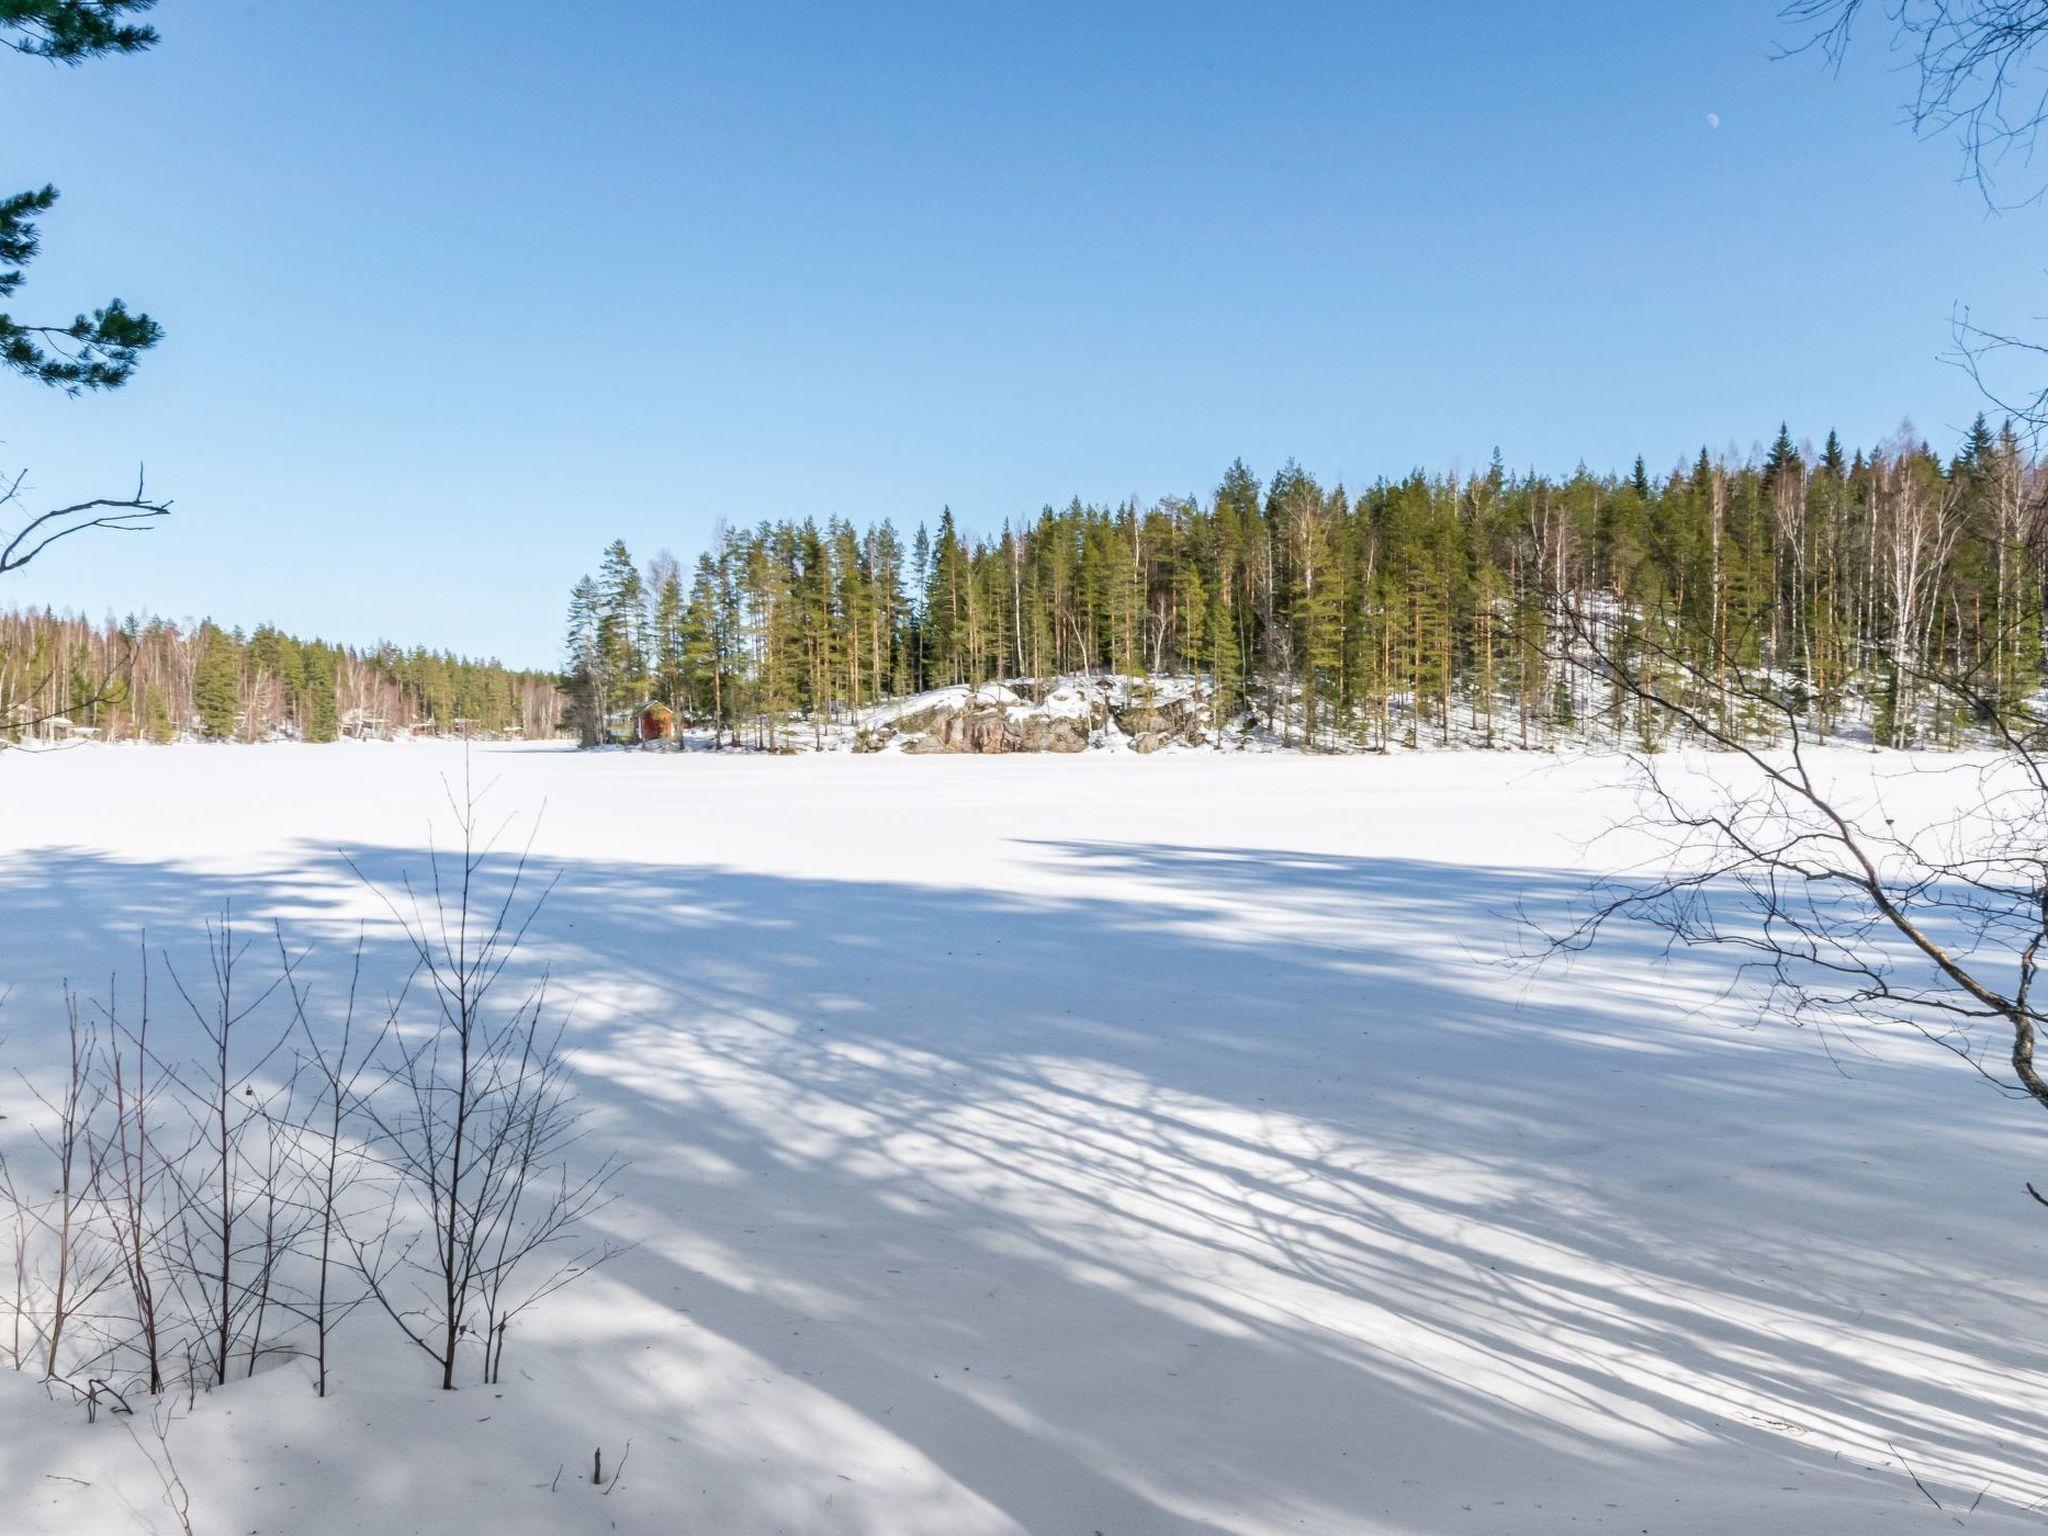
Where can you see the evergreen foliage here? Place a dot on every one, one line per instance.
(1416, 612)
(72, 31)
(99, 350)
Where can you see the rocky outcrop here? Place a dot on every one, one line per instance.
(1153, 724)
(971, 729)
(1039, 733)
(1070, 717)
(995, 730)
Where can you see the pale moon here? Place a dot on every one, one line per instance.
(1713, 119)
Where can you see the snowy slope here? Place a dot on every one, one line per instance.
(1071, 1145)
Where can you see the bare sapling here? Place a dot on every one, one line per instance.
(134, 1181)
(16, 1210)
(278, 1209)
(81, 1269)
(335, 1163)
(476, 1121)
(538, 1203)
(64, 1259)
(417, 1153)
(233, 1103)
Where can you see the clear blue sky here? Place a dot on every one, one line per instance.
(448, 309)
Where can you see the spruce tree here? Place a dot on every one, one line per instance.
(1979, 452)
(1783, 458)
(322, 721)
(1831, 462)
(217, 682)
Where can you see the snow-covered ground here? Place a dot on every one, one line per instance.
(1097, 1144)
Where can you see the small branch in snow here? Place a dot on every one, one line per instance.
(1914, 1475)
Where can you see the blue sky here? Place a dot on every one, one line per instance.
(449, 309)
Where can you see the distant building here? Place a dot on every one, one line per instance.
(654, 722)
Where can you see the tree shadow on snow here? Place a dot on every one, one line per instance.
(1236, 1197)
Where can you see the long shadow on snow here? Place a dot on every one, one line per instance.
(1299, 1203)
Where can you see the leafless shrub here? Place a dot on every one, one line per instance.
(134, 1180)
(335, 1163)
(476, 1120)
(204, 1215)
(63, 1261)
(227, 1241)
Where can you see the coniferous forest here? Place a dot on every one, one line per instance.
(1422, 611)
(151, 680)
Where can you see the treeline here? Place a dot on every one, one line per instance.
(153, 680)
(1412, 611)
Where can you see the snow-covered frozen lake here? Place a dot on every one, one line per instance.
(1096, 1145)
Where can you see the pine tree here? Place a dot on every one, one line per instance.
(920, 627)
(583, 662)
(92, 352)
(622, 628)
(946, 604)
(670, 659)
(99, 351)
(887, 615)
(705, 639)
